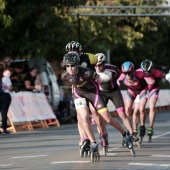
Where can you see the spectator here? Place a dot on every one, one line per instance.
(30, 78)
(16, 77)
(5, 97)
(7, 61)
(7, 84)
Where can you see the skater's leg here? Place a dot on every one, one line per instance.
(142, 105)
(136, 115)
(126, 119)
(81, 130)
(84, 114)
(128, 107)
(152, 113)
(101, 125)
(112, 121)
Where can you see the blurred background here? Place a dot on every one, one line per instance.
(121, 29)
(30, 28)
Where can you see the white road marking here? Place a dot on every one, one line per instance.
(165, 156)
(112, 149)
(29, 156)
(164, 134)
(109, 154)
(141, 164)
(68, 162)
(153, 137)
(3, 165)
(148, 164)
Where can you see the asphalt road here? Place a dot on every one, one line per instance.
(56, 148)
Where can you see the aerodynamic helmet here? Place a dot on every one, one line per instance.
(71, 58)
(146, 65)
(73, 46)
(127, 67)
(100, 58)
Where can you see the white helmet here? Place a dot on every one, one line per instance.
(100, 58)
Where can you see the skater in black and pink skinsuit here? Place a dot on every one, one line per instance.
(152, 77)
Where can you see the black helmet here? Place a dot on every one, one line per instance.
(71, 58)
(73, 46)
(146, 65)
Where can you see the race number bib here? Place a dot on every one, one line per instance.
(80, 103)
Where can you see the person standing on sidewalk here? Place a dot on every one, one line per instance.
(5, 97)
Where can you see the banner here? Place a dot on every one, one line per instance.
(28, 106)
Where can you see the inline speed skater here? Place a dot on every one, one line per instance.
(152, 76)
(134, 80)
(110, 90)
(87, 60)
(82, 81)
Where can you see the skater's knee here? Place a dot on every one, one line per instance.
(123, 116)
(108, 120)
(141, 109)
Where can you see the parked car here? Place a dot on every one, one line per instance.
(48, 77)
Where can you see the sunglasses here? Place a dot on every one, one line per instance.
(129, 72)
(99, 65)
(71, 65)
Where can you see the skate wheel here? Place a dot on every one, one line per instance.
(150, 139)
(97, 157)
(141, 139)
(105, 150)
(87, 153)
(81, 153)
(123, 143)
(133, 152)
(92, 157)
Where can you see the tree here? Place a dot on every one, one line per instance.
(30, 29)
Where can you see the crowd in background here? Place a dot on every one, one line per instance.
(11, 80)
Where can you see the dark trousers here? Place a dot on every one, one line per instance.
(5, 100)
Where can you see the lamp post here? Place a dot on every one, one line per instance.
(79, 25)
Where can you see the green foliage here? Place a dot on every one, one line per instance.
(29, 27)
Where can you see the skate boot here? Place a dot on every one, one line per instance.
(129, 142)
(135, 137)
(95, 156)
(85, 148)
(142, 133)
(81, 142)
(104, 143)
(150, 133)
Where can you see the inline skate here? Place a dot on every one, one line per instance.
(142, 133)
(150, 133)
(104, 143)
(84, 148)
(135, 137)
(95, 156)
(129, 142)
